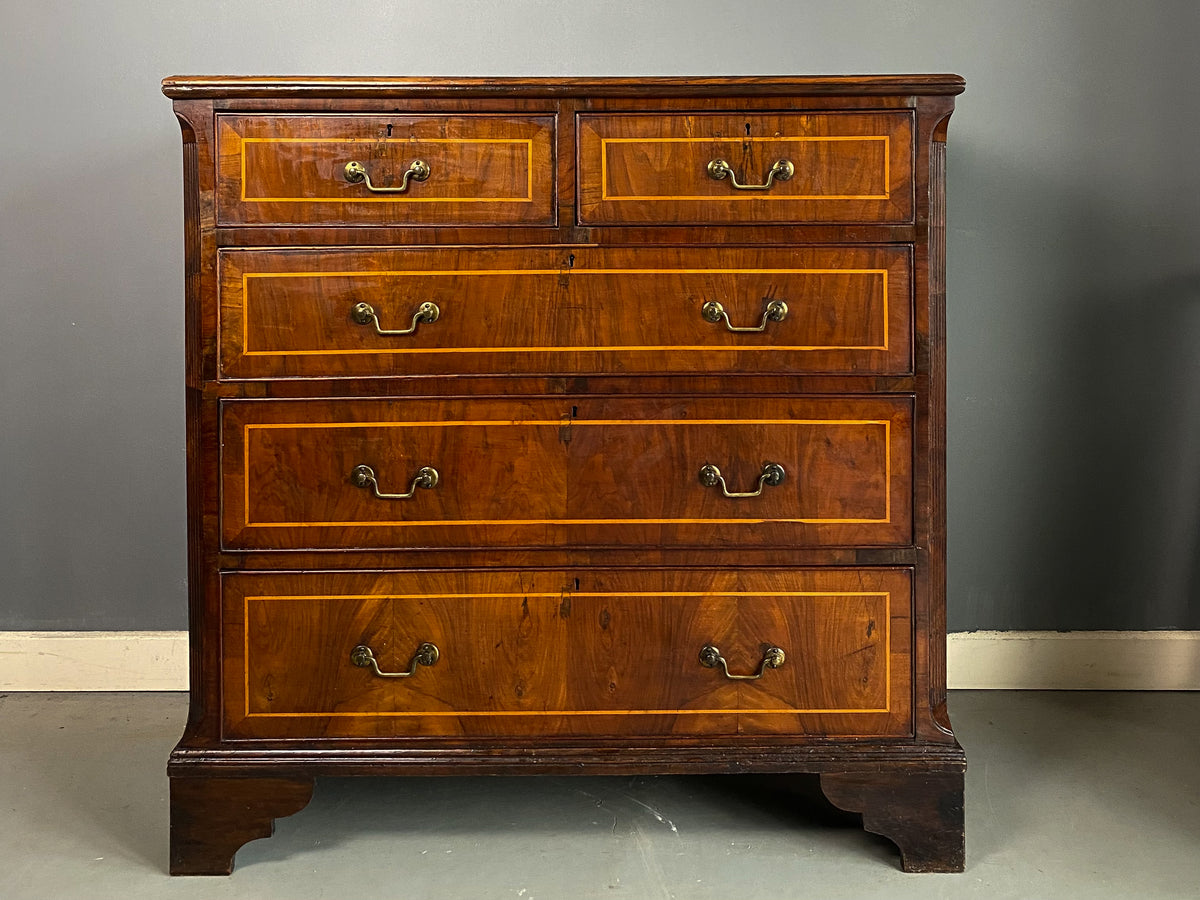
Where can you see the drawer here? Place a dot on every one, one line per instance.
(572, 310)
(567, 653)
(667, 168)
(292, 170)
(584, 472)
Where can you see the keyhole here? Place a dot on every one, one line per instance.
(389, 133)
(747, 129)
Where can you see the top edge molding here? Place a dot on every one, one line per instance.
(182, 87)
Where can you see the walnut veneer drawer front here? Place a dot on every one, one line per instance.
(712, 472)
(375, 170)
(757, 167)
(573, 310)
(570, 653)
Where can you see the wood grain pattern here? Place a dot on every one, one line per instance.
(568, 652)
(632, 411)
(289, 170)
(849, 167)
(570, 310)
(615, 473)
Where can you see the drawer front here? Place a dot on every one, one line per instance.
(567, 653)
(659, 169)
(292, 170)
(572, 310)
(829, 472)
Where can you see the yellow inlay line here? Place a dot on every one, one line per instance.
(558, 423)
(614, 348)
(887, 470)
(432, 423)
(552, 595)
(887, 173)
(246, 276)
(571, 712)
(395, 198)
(371, 523)
(886, 642)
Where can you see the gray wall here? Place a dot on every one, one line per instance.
(1074, 247)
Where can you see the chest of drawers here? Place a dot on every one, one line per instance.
(565, 426)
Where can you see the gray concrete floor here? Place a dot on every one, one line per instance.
(1068, 795)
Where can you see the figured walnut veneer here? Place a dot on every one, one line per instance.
(557, 358)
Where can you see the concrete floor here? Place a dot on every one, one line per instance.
(1068, 795)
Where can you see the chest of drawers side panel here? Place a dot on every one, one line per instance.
(201, 426)
(933, 454)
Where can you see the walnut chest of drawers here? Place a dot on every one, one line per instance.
(565, 426)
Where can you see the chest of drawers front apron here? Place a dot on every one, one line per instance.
(712, 472)
(567, 310)
(573, 653)
(375, 170)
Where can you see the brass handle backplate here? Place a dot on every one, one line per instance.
(711, 658)
(775, 311)
(772, 475)
(427, 313)
(363, 657)
(781, 170)
(356, 173)
(364, 477)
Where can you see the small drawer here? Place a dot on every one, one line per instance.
(756, 168)
(326, 474)
(374, 170)
(569, 311)
(567, 652)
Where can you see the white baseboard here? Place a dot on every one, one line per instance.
(977, 660)
(93, 661)
(1074, 660)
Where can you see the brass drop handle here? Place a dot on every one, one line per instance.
(781, 170)
(356, 173)
(364, 477)
(427, 313)
(363, 657)
(775, 311)
(772, 475)
(710, 658)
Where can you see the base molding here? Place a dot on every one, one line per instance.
(909, 792)
(976, 660)
(575, 756)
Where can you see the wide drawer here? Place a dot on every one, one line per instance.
(580, 472)
(567, 653)
(572, 310)
(292, 170)
(686, 168)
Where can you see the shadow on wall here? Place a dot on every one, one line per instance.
(1074, 292)
(1074, 410)
(1120, 429)
(93, 452)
